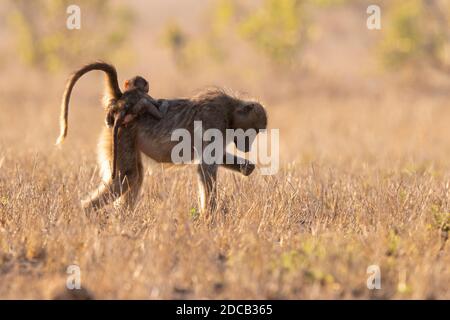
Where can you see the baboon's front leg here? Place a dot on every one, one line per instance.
(207, 177)
(238, 164)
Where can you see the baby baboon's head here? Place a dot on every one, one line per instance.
(137, 82)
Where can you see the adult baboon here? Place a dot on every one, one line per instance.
(214, 108)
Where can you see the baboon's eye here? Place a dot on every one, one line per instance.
(246, 109)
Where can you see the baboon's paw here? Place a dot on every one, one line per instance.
(247, 168)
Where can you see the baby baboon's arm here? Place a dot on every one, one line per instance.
(144, 105)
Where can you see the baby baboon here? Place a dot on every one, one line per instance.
(134, 102)
(118, 106)
(136, 89)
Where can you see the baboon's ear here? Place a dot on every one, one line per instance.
(126, 84)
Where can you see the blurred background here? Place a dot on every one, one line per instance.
(329, 83)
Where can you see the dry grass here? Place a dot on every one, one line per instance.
(361, 183)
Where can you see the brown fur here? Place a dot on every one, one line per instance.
(112, 91)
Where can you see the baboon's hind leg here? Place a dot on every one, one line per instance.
(125, 187)
(129, 198)
(105, 194)
(207, 177)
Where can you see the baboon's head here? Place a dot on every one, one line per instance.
(248, 115)
(243, 115)
(137, 82)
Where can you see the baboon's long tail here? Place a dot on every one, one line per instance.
(112, 88)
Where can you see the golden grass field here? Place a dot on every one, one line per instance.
(364, 180)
